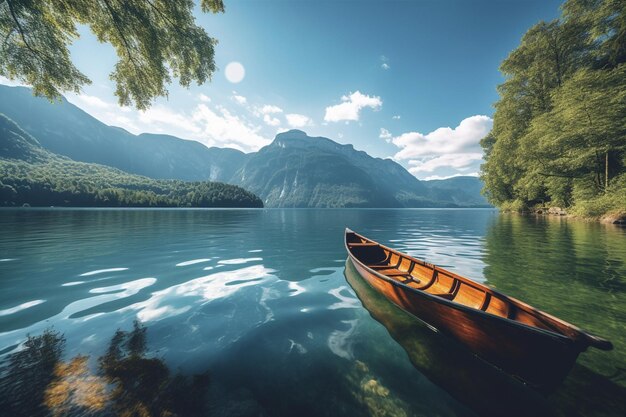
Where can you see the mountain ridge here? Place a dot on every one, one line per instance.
(294, 170)
(33, 176)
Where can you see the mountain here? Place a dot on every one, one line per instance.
(67, 130)
(15, 144)
(32, 175)
(295, 170)
(463, 191)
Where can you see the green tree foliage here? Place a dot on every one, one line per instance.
(153, 39)
(559, 134)
(63, 182)
(605, 25)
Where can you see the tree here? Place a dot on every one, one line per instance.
(605, 21)
(559, 131)
(154, 40)
(585, 134)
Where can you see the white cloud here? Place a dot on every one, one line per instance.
(212, 126)
(459, 161)
(271, 121)
(105, 111)
(206, 122)
(160, 116)
(269, 109)
(298, 120)
(351, 106)
(225, 127)
(445, 177)
(11, 83)
(234, 146)
(396, 117)
(239, 99)
(444, 140)
(384, 62)
(385, 134)
(92, 101)
(444, 151)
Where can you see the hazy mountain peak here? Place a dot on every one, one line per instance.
(292, 134)
(297, 138)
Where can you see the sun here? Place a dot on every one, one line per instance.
(235, 72)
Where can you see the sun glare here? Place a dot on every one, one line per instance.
(235, 72)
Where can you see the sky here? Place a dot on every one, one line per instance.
(414, 81)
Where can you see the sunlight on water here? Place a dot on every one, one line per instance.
(71, 284)
(259, 300)
(102, 271)
(21, 307)
(193, 262)
(207, 288)
(238, 261)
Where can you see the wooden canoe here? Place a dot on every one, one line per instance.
(527, 343)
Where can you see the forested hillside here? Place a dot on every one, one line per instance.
(559, 133)
(34, 176)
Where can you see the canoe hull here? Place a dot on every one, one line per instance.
(537, 358)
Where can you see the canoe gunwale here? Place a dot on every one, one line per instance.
(582, 341)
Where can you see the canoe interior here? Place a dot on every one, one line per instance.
(438, 282)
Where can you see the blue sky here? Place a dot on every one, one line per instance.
(412, 80)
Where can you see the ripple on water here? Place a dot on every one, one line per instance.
(339, 341)
(349, 301)
(111, 293)
(323, 271)
(102, 271)
(131, 286)
(295, 288)
(168, 302)
(23, 306)
(238, 261)
(71, 284)
(194, 261)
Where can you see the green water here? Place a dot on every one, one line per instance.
(261, 307)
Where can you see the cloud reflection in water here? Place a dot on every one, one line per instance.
(207, 288)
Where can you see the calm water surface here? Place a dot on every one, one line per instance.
(255, 312)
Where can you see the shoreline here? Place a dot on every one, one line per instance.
(617, 218)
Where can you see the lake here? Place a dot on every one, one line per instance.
(256, 312)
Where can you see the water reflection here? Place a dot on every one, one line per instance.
(571, 269)
(474, 382)
(259, 298)
(469, 379)
(36, 381)
(25, 376)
